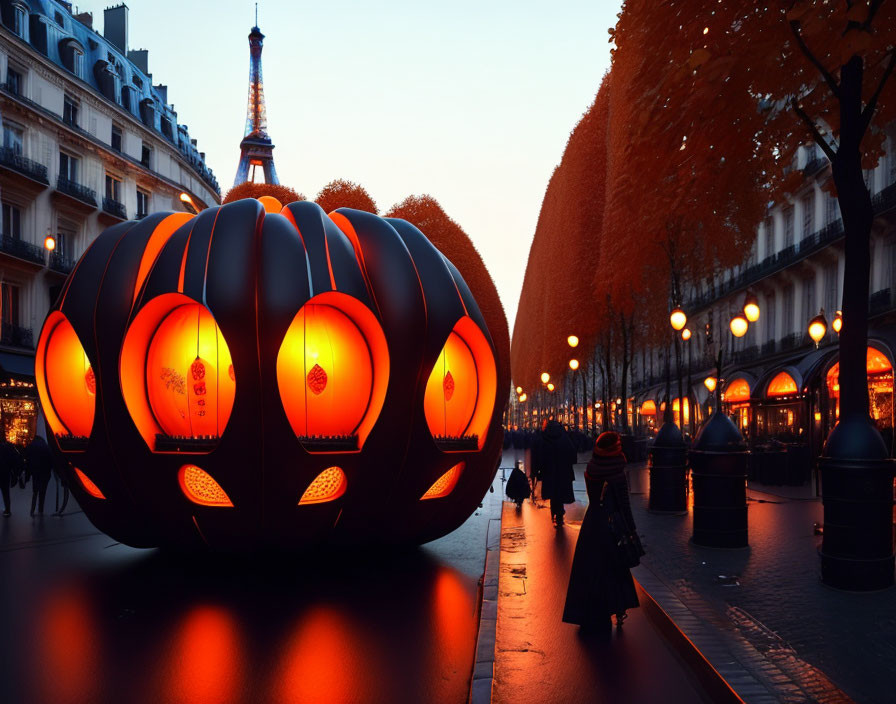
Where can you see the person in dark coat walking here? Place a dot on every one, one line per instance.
(600, 583)
(10, 471)
(553, 456)
(39, 464)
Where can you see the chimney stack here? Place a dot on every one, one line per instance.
(115, 26)
(140, 59)
(85, 18)
(163, 93)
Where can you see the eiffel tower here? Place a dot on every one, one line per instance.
(256, 149)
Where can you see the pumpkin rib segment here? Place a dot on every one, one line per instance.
(157, 240)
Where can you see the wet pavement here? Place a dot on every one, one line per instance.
(539, 658)
(86, 619)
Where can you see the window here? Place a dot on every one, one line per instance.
(146, 156)
(142, 203)
(769, 237)
(113, 188)
(65, 238)
(166, 128)
(72, 56)
(788, 228)
(832, 210)
(9, 304)
(770, 317)
(12, 221)
(13, 138)
(68, 167)
(808, 214)
(18, 21)
(116, 138)
(787, 310)
(13, 81)
(127, 101)
(809, 309)
(70, 111)
(831, 300)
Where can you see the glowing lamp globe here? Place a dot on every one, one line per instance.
(751, 308)
(545, 377)
(837, 322)
(523, 398)
(259, 375)
(710, 383)
(739, 326)
(519, 389)
(550, 387)
(572, 341)
(49, 243)
(686, 334)
(678, 319)
(573, 364)
(818, 328)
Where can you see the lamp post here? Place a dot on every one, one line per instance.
(574, 366)
(686, 336)
(818, 328)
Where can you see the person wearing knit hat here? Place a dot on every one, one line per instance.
(600, 582)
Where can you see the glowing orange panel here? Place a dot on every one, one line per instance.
(88, 485)
(65, 379)
(738, 391)
(877, 363)
(160, 235)
(188, 378)
(332, 370)
(200, 488)
(445, 484)
(648, 408)
(327, 486)
(782, 385)
(460, 392)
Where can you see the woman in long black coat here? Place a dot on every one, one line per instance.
(554, 456)
(600, 583)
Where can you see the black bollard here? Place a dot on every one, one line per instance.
(719, 469)
(857, 492)
(668, 472)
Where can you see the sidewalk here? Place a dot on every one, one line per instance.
(539, 659)
(761, 614)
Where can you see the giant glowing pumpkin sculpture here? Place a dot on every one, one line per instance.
(257, 376)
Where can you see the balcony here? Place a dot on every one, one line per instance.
(22, 250)
(16, 336)
(115, 209)
(14, 166)
(76, 190)
(61, 263)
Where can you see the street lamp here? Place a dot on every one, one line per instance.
(519, 389)
(523, 398)
(188, 203)
(573, 364)
(739, 325)
(818, 327)
(49, 243)
(678, 318)
(686, 334)
(572, 341)
(710, 383)
(751, 308)
(550, 387)
(545, 377)
(837, 323)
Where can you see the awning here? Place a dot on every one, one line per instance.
(20, 365)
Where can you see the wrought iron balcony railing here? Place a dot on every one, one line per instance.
(61, 263)
(27, 167)
(75, 189)
(16, 336)
(21, 249)
(113, 207)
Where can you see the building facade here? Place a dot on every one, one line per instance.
(88, 141)
(776, 382)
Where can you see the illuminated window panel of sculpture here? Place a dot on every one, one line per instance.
(325, 374)
(199, 487)
(327, 486)
(445, 484)
(68, 385)
(190, 380)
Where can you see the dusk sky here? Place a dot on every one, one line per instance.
(469, 101)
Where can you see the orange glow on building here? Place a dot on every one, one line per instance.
(205, 660)
(460, 392)
(327, 486)
(782, 385)
(332, 370)
(88, 485)
(200, 488)
(737, 391)
(648, 408)
(880, 385)
(445, 484)
(66, 381)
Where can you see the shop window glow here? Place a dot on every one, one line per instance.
(782, 385)
(737, 391)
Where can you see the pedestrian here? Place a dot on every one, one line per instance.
(58, 466)
(553, 457)
(39, 465)
(600, 581)
(10, 469)
(518, 489)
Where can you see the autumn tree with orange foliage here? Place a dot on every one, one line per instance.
(284, 194)
(728, 98)
(345, 194)
(425, 213)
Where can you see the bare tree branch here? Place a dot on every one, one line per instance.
(868, 112)
(872, 11)
(828, 77)
(813, 130)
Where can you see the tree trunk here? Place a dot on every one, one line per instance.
(626, 362)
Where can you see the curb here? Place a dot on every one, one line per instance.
(484, 662)
(715, 686)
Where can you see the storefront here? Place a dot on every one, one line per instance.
(781, 414)
(18, 398)
(736, 401)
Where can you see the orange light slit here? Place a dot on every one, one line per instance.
(445, 484)
(200, 488)
(88, 485)
(327, 486)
